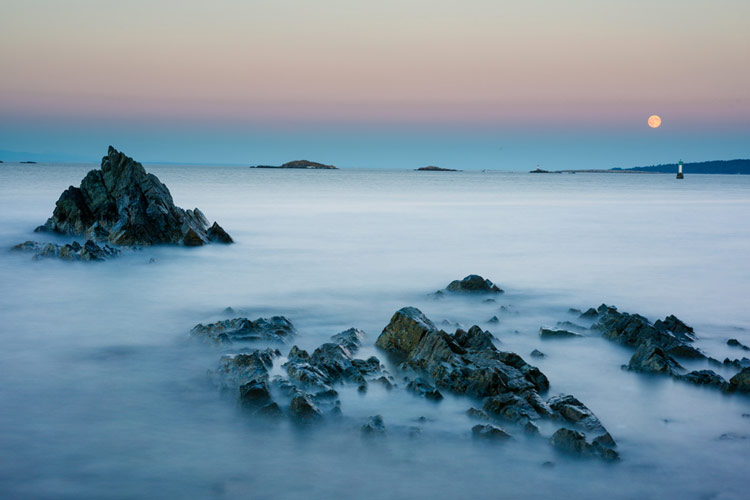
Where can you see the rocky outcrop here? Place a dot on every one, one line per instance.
(464, 363)
(274, 329)
(489, 432)
(333, 362)
(468, 363)
(650, 358)
(671, 334)
(473, 284)
(741, 381)
(550, 333)
(122, 204)
(374, 426)
(574, 443)
(89, 251)
(706, 377)
(737, 343)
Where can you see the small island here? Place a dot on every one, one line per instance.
(301, 164)
(432, 168)
(541, 171)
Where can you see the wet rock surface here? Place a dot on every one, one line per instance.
(473, 284)
(121, 204)
(275, 329)
(550, 333)
(89, 251)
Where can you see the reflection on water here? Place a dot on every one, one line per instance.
(104, 396)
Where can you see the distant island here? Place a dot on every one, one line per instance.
(28, 162)
(538, 170)
(741, 167)
(432, 168)
(301, 164)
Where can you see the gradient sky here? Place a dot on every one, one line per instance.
(469, 84)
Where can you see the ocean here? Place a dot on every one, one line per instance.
(103, 394)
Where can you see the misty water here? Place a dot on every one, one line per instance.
(103, 395)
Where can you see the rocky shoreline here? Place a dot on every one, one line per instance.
(509, 396)
(118, 207)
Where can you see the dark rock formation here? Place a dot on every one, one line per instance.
(424, 389)
(275, 329)
(333, 362)
(303, 410)
(236, 370)
(650, 358)
(549, 333)
(574, 443)
(706, 377)
(489, 432)
(589, 314)
(737, 343)
(122, 204)
(89, 251)
(572, 411)
(536, 353)
(671, 335)
(473, 284)
(374, 426)
(741, 381)
(465, 363)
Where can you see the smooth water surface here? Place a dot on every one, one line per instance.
(102, 394)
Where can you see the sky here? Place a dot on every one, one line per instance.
(395, 84)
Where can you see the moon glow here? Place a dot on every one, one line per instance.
(654, 121)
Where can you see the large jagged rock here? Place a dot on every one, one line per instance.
(236, 370)
(274, 329)
(650, 358)
(741, 381)
(473, 284)
(464, 363)
(122, 204)
(574, 443)
(671, 335)
(333, 362)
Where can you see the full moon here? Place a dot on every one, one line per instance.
(654, 121)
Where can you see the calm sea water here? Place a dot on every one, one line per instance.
(103, 396)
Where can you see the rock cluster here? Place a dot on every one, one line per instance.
(467, 363)
(274, 329)
(473, 284)
(121, 204)
(659, 344)
(89, 251)
(306, 394)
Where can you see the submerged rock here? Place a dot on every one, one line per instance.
(706, 377)
(333, 362)
(424, 389)
(274, 329)
(238, 369)
(122, 204)
(303, 410)
(489, 432)
(733, 343)
(741, 381)
(574, 443)
(549, 333)
(650, 358)
(573, 411)
(89, 251)
(473, 284)
(536, 353)
(374, 425)
(633, 330)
